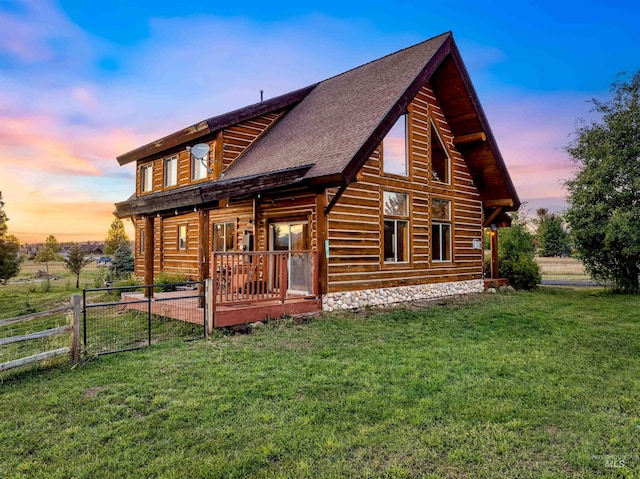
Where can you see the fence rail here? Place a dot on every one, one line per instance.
(74, 328)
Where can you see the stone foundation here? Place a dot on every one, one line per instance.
(382, 297)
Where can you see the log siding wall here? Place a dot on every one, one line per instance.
(235, 140)
(356, 223)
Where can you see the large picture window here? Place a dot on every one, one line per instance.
(440, 230)
(146, 177)
(199, 167)
(395, 158)
(440, 161)
(396, 227)
(182, 237)
(171, 171)
(224, 237)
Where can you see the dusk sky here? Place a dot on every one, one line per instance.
(83, 82)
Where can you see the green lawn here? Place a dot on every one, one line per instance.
(542, 384)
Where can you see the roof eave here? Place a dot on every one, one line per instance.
(464, 74)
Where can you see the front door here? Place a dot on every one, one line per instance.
(293, 237)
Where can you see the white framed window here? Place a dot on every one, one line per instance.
(440, 160)
(395, 150)
(171, 171)
(224, 237)
(396, 227)
(142, 241)
(441, 241)
(146, 177)
(182, 237)
(199, 167)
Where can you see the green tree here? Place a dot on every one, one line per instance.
(115, 236)
(553, 238)
(604, 194)
(10, 258)
(123, 264)
(48, 252)
(75, 261)
(516, 250)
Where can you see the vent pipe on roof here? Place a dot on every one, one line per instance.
(261, 95)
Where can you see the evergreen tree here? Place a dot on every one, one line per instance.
(123, 263)
(75, 261)
(49, 252)
(115, 236)
(604, 194)
(553, 239)
(10, 258)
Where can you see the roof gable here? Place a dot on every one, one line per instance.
(340, 120)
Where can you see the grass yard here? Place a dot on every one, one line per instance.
(542, 384)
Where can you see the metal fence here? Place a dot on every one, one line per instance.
(133, 317)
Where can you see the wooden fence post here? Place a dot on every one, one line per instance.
(209, 298)
(76, 305)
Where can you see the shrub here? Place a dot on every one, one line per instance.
(516, 252)
(523, 272)
(169, 281)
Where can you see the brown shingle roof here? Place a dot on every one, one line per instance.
(330, 126)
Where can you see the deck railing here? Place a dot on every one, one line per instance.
(261, 276)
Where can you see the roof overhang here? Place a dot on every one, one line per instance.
(208, 193)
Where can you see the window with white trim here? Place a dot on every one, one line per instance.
(440, 161)
(199, 167)
(396, 227)
(171, 171)
(141, 241)
(146, 177)
(395, 157)
(182, 237)
(440, 230)
(224, 237)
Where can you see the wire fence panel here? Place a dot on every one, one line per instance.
(132, 317)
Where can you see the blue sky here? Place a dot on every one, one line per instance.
(82, 82)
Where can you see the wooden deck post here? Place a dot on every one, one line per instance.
(320, 276)
(494, 254)
(284, 276)
(76, 305)
(149, 253)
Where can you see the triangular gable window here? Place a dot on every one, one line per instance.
(394, 149)
(440, 161)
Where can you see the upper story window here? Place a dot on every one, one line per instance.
(395, 157)
(171, 171)
(199, 167)
(224, 237)
(182, 237)
(440, 161)
(146, 177)
(396, 227)
(440, 230)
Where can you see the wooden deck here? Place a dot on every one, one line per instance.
(180, 306)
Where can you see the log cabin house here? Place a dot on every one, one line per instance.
(370, 187)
